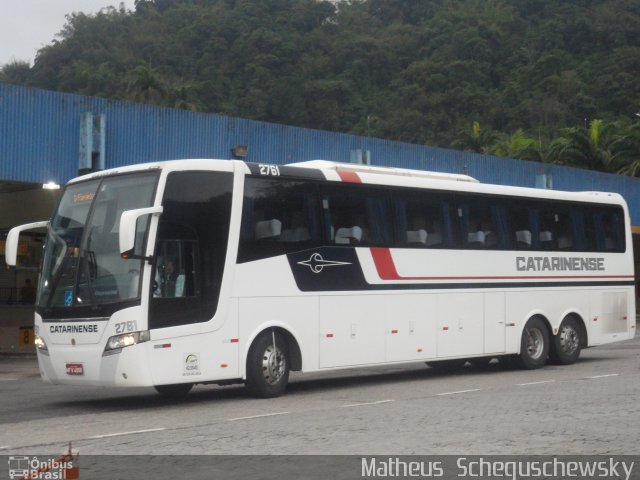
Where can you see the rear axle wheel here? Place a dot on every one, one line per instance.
(534, 345)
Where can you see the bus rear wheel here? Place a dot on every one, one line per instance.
(567, 344)
(268, 366)
(174, 391)
(534, 345)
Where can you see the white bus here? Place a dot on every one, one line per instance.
(213, 271)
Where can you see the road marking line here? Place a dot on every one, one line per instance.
(5, 447)
(378, 402)
(459, 391)
(604, 376)
(257, 416)
(108, 435)
(534, 383)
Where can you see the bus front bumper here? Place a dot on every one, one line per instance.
(86, 365)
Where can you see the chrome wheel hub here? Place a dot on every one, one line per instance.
(569, 339)
(535, 343)
(274, 364)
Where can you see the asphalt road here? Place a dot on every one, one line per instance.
(592, 407)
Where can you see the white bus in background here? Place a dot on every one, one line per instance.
(211, 271)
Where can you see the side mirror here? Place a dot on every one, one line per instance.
(128, 221)
(11, 244)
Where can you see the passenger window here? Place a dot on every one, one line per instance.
(524, 222)
(608, 229)
(424, 220)
(562, 229)
(522, 231)
(548, 235)
(356, 216)
(484, 223)
(278, 217)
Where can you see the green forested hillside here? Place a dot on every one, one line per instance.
(546, 80)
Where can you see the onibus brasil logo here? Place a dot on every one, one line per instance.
(24, 467)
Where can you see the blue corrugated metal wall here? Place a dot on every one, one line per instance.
(39, 141)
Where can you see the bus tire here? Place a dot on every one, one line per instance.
(567, 344)
(534, 345)
(268, 366)
(176, 390)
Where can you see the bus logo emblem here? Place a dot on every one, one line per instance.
(316, 263)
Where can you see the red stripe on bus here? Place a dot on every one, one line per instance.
(384, 264)
(351, 177)
(387, 271)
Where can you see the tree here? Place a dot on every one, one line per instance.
(18, 72)
(146, 86)
(422, 68)
(627, 148)
(519, 145)
(477, 139)
(585, 147)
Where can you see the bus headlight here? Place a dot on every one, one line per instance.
(118, 342)
(41, 345)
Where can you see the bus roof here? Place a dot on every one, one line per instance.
(372, 174)
(405, 172)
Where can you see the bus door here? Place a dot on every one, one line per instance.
(188, 265)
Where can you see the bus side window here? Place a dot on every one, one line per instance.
(357, 216)
(484, 223)
(522, 231)
(278, 216)
(563, 229)
(614, 230)
(548, 230)
(424, 220)
(608, 229)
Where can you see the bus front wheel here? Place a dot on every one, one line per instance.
(268, 366)
(534, 345)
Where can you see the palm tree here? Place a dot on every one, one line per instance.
(146, 86)
(627, 147)
(586, 147)
(477, 140)
(519, 145)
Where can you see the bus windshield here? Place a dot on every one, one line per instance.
(82, 265)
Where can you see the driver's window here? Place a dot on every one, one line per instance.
(174, 273)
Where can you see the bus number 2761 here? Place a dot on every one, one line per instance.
(272, 170)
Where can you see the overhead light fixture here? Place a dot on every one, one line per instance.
(51, 186)
(240, 151)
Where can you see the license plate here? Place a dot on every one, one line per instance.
(75, 369)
